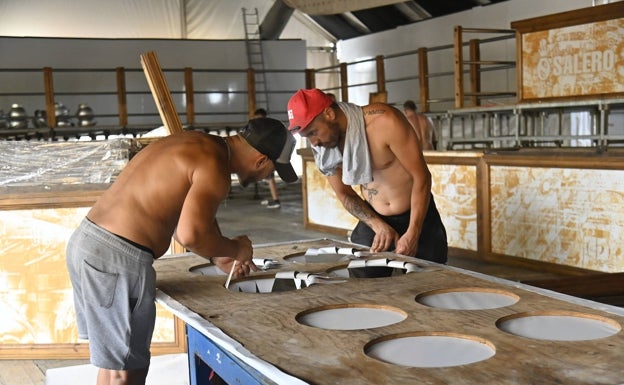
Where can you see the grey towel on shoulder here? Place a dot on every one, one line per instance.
(355, 161)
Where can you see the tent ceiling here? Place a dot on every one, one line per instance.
(346, 19)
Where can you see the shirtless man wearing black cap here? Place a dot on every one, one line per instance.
(172, 188)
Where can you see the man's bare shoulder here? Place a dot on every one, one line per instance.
(383, 115)
(186, 144)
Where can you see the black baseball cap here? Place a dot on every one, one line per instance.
(270, 137)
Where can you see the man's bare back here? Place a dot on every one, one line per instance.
(422, 125)
(144, 203)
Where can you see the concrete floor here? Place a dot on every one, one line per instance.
(242, 213)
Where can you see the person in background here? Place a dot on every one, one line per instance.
(274, 202)
(422, 125)
(376, 148)
(171, 188)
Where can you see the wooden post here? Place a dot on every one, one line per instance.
(344, 83)
(160, 92)
(484, 209)
(48, 84)
(475, 73)
(310, 78)
(251, 91)
(423, 79)
(459, 73)
(381, 74)
(519, 66)
(121, 97)
(190, 96)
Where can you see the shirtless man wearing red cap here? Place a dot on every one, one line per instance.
(375, 147)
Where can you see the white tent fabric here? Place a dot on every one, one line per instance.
(151, 19)
(157, 19)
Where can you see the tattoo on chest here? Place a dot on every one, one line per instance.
(369, 193)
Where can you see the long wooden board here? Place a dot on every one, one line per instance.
(160, 92)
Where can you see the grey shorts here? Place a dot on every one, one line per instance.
(114, 289)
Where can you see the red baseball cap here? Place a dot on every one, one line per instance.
(304, 106)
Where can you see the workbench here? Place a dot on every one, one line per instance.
(248, 337)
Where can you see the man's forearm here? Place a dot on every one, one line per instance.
(357, 207)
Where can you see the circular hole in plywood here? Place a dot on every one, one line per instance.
(377, 268)
(467, 298)
(339, 271)
(302, 257)
(351, 316)
(207, 269)
(264, 284)
(558, 326)
(430, 349)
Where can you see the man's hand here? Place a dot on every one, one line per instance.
(244, 256)
(244, 249)
(242, 269)
(406, 246)
(385, 237)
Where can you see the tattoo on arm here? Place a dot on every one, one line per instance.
(369, 192)
(358, 208)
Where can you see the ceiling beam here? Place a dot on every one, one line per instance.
(275, 20)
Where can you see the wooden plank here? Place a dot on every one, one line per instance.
(190, 95)
(310, 78)
(475, 72)
(48, 81)
(484, 209)
(519, 66)
(121, 96)
(381, 74)
(344, 83)
(459, 67)
(160, 92)
(423, 79)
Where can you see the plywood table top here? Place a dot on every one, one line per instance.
(266, 324)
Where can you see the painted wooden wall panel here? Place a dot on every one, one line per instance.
(454, 188)
(572, 217)
(36, 303)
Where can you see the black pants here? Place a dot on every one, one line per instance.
(432, 244)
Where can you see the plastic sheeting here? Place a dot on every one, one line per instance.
(27, 163)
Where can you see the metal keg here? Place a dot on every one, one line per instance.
(4, 122)
(40, 119)
(85, 115)
(63, 119)
(17, 117)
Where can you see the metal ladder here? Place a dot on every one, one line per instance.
(255, 57)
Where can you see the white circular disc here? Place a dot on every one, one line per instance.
(351, 317)
(430, 351)
(559, 326)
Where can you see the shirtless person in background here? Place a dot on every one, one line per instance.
(422, 125)
(398, 212)
(172, 188)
